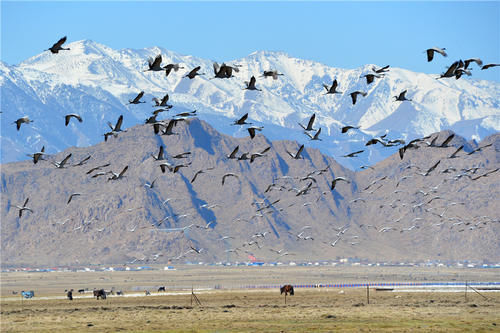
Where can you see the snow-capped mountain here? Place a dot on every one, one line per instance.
(97, 82)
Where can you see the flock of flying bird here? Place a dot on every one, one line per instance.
(224, 71)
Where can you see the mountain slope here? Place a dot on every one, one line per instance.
(97, 82)
(120, 221)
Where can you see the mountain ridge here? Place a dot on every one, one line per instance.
(95, 80)
(119, 221)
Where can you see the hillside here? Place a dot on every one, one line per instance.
(120, 221)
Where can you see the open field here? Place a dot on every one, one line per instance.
(197, 276)
(240, 310)
(260, 311)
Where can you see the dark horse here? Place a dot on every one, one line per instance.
(100, 293)
(288, 288)
(161, 289)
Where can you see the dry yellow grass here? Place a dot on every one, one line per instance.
(259, 311)
(309, 310)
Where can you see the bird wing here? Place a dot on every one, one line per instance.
(311, 122)
(138, 97)
(118, 123)
(196, 69)
(334, 85)
(66, 119)
(354, 96)
(196, 175)
(251, 131)
(456, 151)
(164, 100)
(123, 171)
(252, 82)
(59, 43)
(157, 61)
(233, 153)
(265, 150)
(448, 139)
(317, 134)
(216, 68)
(65, 160)
(299, 152)
(242, 119)
(326, 87)
(489, 65)
(433, 167)
(430, 54)
(26, 202)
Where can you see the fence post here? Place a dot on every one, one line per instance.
(368, 293)
(466, 291)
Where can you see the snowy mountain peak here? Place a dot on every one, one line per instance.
(96, 81)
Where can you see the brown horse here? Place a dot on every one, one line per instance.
(99, 293)
(287, 289)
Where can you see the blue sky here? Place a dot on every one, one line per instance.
(338, 34)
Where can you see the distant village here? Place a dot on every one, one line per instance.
(335, 263)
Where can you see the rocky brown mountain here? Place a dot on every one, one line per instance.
(272, 207)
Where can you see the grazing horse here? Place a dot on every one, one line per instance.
(100, 293)
(81, 291)
(120, 293)
(161, 289)
(288, 288)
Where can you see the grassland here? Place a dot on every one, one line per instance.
(239, 310)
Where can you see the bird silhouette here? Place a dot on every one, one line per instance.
(315, 136)
(489, 66)
(228, 175)
(381, 70)
(136, 100)
(24, 207)
(332, 89)
(62, 163)
(251, 130)
(430, 52)
(116, 176)
(274, 74)
(162, 102)
(168, 68)
(354, 95)
(467, 62)
(336, 179)
(160, 156)
(371, 77)
(251, 85)
(297, 155)
(309, 124)
(68, 117)
(242, 120)
(72, 196)
(58, 46)
(154, 65)
(22, 120)
(233, 153)
(401, 97)
(223, 71)
(347, 128)
(193, 73)
(353, 154)
(38, 155)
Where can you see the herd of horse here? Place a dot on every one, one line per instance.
(101, 293)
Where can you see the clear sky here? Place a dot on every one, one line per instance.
(338, 34)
